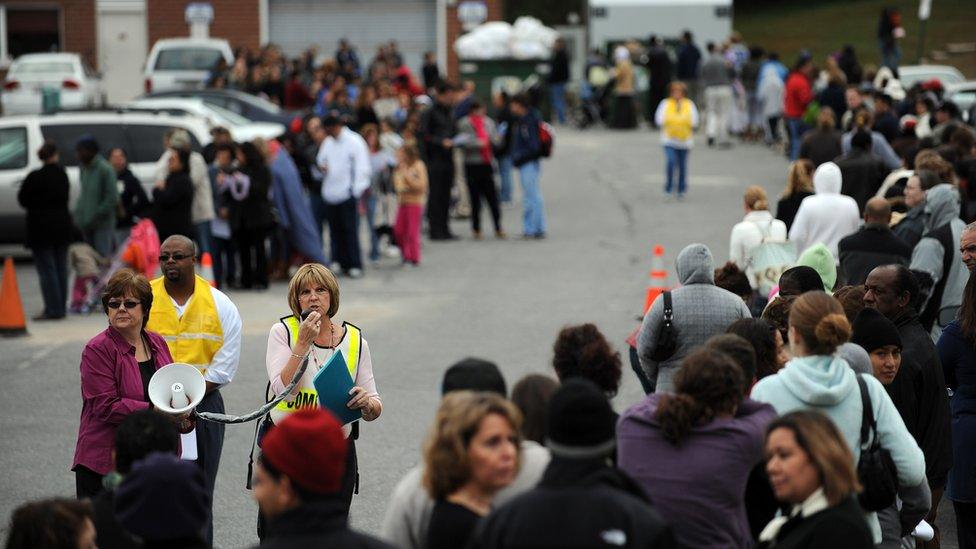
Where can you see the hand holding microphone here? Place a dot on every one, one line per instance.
(309, 329)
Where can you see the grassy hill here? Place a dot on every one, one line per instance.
(824, 26)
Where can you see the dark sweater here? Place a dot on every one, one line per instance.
(933, 402)
(317, 524)
(787, 207)
(820, 146)
(44, 194)
(839, 527)
(872, 246)
(451, 525)
(172, 206)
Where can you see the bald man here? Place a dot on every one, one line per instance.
(202, 327)
(871, 246)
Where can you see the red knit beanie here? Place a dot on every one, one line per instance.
(309, 447)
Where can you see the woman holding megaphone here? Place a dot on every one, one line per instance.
(116, 367)
(313, 297)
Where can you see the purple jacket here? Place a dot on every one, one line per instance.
(111, 389)
(699, 485)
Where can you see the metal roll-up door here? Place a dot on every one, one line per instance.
(296, 25)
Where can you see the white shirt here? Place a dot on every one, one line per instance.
(824, 219)
(749, 233)
(224, 364)
(345, 161)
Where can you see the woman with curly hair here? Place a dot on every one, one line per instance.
(763, 337)
(670, 442)
(582, 351)
(471, 453)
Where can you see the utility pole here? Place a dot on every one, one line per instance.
(924, 11)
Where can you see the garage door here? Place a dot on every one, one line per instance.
(297, 24)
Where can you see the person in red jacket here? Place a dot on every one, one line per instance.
(297, 96)
(799, 93)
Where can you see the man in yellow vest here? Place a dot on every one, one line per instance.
(202, 327)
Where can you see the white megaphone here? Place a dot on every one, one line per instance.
(177, 388)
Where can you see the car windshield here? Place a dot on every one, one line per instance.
(910, 78)
(187, 59)
(227, 117)
(42, 67)
(262, 104)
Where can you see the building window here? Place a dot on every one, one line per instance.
(28, 30)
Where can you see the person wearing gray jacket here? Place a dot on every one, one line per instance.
(700, 310)
(478, 137)
(936, 259)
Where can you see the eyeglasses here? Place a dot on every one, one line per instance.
(127, 304)
(163, 258)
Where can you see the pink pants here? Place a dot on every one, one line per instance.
(407, 231)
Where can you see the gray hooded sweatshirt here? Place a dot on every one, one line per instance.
(701, 310)
(942, 206)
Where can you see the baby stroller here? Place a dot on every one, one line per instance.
(139, 252)
(594, 99)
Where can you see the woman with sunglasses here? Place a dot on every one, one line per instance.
(116, 366)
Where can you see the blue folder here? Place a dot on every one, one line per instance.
(333, 383)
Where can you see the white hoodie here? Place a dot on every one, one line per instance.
(827, 216)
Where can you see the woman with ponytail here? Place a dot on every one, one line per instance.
(692, 450)
(818, 379)
(748, 234)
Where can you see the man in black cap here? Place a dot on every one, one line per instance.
(164, 501)
(879, 337)
(581, 501)
(893, 291)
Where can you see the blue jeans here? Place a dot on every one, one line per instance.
(224, 262)
(890, 57)
(52, 272)
(505, 174)
(204, 238)
(317, 204)
(533, 209)
(677, 160)
(796, 128)
(557, 94)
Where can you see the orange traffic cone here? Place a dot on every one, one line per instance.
(658, 283)
(12, 321)
(206, 268)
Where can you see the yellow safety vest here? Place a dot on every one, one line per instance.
(677, 119)
(308, 397)
(195, 337)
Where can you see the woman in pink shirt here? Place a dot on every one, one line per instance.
(116, 366)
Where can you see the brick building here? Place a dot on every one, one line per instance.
(115, 36)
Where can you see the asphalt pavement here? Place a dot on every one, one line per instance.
(500, 300)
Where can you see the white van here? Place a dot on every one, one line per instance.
(140, 134)
(184, 63)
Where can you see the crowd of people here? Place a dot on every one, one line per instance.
(816, 390)
(374, 145)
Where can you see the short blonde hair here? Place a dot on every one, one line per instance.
(678, 85)
(446, 464)
(311, 274)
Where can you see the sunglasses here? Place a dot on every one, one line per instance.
(124, 304)
(163, 258)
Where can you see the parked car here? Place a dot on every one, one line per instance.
(249, 106)
(139, 133)
(78, 85)
(184, 63)
(241, 129)
(909, 75)
(964, 96)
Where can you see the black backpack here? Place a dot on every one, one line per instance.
(876, 470)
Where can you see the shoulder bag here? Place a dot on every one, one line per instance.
(875, 469)
(667, 338)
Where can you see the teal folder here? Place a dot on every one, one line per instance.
(333, 383)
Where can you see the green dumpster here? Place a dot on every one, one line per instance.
(511, 75)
